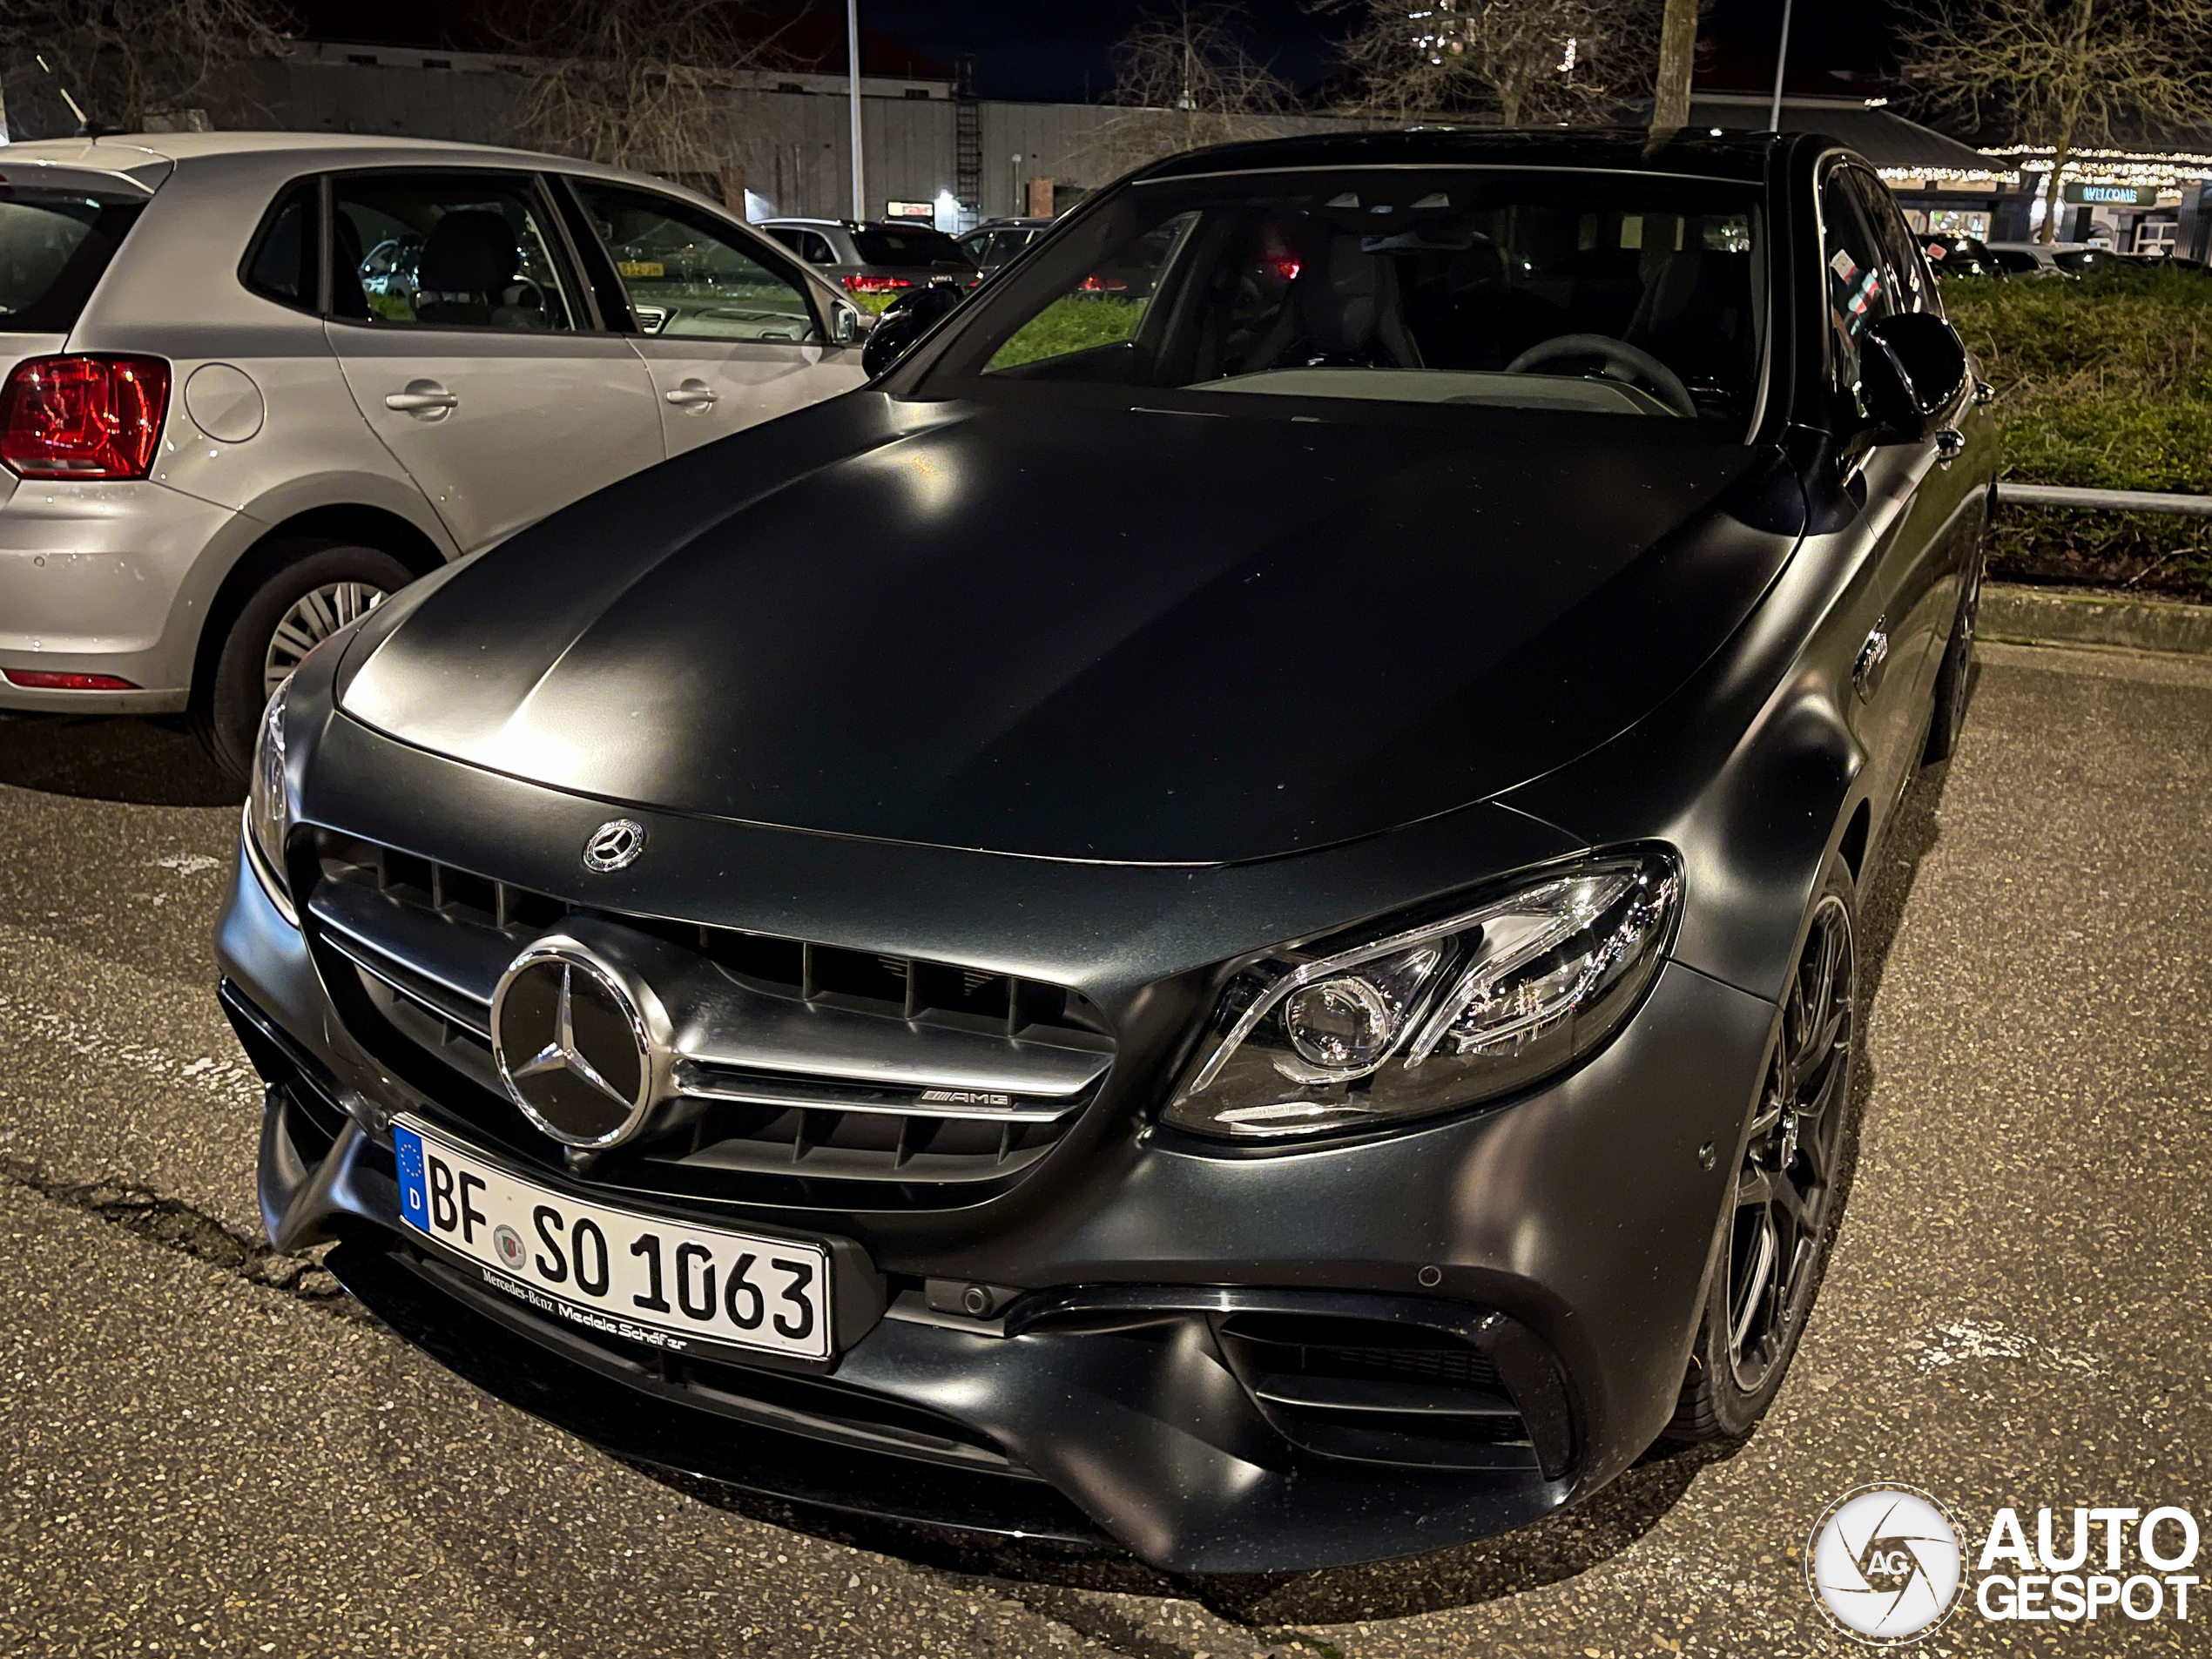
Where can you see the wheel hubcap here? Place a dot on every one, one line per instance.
(1787, 1182)
(314, 618)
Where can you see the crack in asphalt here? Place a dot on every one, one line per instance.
(177, 1226)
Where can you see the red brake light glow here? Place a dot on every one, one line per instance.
(40, 679)
(82, 417)
(859, 284)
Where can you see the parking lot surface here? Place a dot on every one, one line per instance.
(207, 1448)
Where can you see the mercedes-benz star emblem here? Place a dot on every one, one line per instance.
(614, 845)
(574, 1045)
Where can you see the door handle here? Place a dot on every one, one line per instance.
(426, 399)
(1873, 658)
(692, 394)
(1950, 443)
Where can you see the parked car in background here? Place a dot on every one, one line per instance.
(876, 259)
(254, 382)
(2053, 259)
(1314, 1022)
(1961, 256)
(992, 243)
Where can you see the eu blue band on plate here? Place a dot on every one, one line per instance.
(414, 1202)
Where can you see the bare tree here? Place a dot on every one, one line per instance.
(1183, 78)
(2070, 74)
(652, 85)
(119, 64)
(1515, 62)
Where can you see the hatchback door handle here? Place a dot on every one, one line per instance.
(425, 398)
(1950, 443)
(692, 394)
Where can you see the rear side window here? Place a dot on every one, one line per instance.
(282, 265)
(905, 246)
(55, 245)
(463, 250)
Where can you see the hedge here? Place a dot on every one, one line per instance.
(2106, 382)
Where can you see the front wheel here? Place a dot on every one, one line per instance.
(1790, 1181)
(306, 592)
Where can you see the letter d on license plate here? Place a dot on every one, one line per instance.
(653, 1279)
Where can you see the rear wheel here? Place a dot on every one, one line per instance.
(1949, 717)
(306, 592)
(1789, 1185)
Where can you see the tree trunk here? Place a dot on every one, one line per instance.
(1677, 46)
(2054, 193)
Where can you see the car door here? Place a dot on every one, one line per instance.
(484, 371)
(1862, 290)
(1949, 503)
(730, 331)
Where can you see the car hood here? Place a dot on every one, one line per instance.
(1103, 633)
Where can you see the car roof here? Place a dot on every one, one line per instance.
(1741, 156)
(809, 224)
(126, 151)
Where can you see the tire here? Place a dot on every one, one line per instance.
(1953, 680)
(296, 593)
(1793, 1176)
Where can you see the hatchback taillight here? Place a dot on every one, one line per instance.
(857, 283)
(82, 417)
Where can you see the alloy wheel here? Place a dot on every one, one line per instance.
(314, 616)
(1785, 1190)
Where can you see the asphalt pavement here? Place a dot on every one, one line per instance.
(206, 1448)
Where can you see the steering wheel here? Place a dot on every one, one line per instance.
(1618, 355)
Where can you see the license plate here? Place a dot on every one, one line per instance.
(667, 1283)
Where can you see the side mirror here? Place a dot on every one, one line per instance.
(1911, 372)
(913, 314)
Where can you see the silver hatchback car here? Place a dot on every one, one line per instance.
(250, 383)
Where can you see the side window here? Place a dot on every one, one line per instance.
(1861, 291)
(815, 249)
(459, 249)
(1900, 248)
(689, 275)
(1105, 308)
(791, 236)
(282, 265)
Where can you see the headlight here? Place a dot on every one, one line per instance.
(1436, 1016)
(268, 808)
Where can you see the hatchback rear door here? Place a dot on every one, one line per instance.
(485, 372)
(731, 331)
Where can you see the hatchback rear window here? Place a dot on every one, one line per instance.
(905, 246)
(54, 247)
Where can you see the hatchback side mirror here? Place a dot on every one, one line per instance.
(1912, 373)
(913, 314)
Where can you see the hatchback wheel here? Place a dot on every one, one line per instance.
(306, 592)
(1788, 1186)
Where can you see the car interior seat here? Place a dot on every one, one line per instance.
(1347, 313)
(1696, 317)
(467, 274)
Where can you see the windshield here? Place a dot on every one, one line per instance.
(1610, 292)
(54, 246)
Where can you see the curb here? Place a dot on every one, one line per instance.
(2054, 616)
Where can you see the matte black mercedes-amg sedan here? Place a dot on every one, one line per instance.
(1220, 914)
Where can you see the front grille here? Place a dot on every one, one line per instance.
(1377, 1392)
(807, 1073)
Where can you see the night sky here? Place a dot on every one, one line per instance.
(1057, 51)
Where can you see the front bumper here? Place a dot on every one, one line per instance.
(1572, 1227)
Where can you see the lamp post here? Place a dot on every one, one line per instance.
(1781, 59)
(852, 64)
